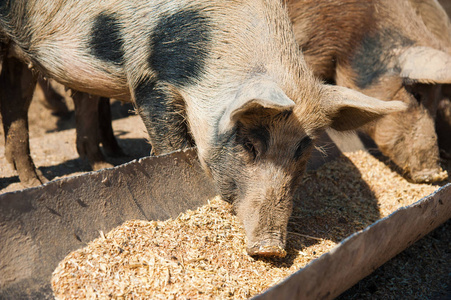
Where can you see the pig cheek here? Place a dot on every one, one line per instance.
(234, 177)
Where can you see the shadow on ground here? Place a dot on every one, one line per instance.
(133, 148)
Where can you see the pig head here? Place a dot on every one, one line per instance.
(435, 15)
(262, 146)
(382, 49)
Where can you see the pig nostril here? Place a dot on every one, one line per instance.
(258, 249)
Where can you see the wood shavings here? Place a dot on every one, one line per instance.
(201, 254)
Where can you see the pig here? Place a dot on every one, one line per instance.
(436, 19)
(226, 76)
(382, 49)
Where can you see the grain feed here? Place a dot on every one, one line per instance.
(201, 254)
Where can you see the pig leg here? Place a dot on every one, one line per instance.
(443, 128)
(162, 110)
(87, 127)
(109, 142)
(17, 83)
(50, 98)
(443, 122)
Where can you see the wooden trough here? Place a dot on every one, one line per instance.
(40, 226)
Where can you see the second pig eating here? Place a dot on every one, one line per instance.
(385, 50)
(227, 76)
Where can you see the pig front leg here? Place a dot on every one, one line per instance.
(162, 110)
(17, 86)
(443, 122)
(109, 142)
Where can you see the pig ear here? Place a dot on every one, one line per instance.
(425, 65)
(254, 94)
(348, 109)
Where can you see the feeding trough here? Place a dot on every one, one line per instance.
(40, 226)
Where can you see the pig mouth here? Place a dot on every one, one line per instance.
(429, 176)
(267, 248)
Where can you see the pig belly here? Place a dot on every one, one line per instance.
(80, 71)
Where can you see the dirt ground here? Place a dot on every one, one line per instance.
(52, 143)
(53, 150)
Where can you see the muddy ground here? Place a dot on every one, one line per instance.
(52, 141)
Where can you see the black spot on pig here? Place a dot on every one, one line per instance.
(163, 112)
(5, 9)
(372, 59)
(106, 39)
(179, 46)
(225, 153)
(144, 92)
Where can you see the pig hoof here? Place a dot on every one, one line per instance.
(101, 165)
(266, 250)
(31, 183)
(429, 176)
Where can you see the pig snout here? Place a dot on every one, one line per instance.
(266, 232)
(429, 176)
(410, 141)
(266, 226)
(273, 247)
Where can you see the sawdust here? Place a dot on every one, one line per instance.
(201, 254)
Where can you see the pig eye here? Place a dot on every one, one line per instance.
(303, 145)
(417, 96)
(249, 146)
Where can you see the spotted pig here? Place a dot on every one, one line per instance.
(227, 76)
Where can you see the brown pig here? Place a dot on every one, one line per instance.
(382, 49)
(436, 19)
(227, 76)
